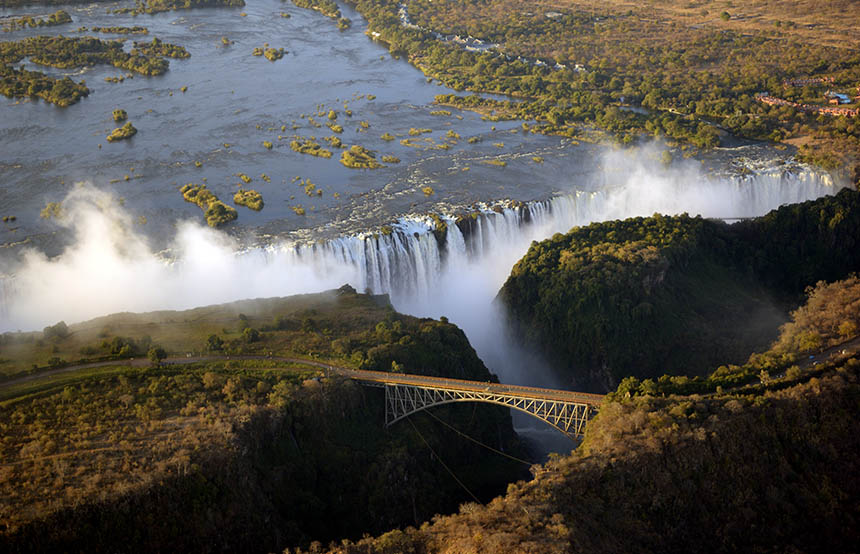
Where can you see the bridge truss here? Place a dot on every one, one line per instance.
(570, 418)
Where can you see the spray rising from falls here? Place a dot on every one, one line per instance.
(430, 267)
(413, 258)
(455, 266)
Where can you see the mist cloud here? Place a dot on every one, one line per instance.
(109, 266)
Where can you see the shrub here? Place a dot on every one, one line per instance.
(251, 335)
(249, 198)
(358, 157)
(122, 133)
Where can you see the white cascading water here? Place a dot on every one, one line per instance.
(409, 263)
(109, 267)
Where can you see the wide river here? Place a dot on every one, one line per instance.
(127, 243)
(236, 101)
(234, 98)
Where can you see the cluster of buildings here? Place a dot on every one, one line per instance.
(809, 81)
(834, 99)
(837, 98)
(765, 98)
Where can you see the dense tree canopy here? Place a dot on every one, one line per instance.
(678, 295)
(687, 76)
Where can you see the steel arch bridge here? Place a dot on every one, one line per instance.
(405, 394)
(568, 417)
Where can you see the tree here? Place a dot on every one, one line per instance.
(156, 354)
(847, 329)
(666, 157)
(214, 343)
(628, 387)
(59, 331)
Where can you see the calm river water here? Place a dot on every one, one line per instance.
(238, 99)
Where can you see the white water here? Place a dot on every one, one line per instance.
(109, 267)
(460, 278)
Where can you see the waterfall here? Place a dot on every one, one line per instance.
(410, 261)
(430, 266)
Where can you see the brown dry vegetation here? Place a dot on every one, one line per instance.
(770, 468)
(830, 316)
(831, 23)
(249, 454)
(755, 474)
(96, 440)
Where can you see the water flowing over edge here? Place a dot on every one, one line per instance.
(430, 265)
(409, 259)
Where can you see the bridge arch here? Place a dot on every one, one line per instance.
(568, 417)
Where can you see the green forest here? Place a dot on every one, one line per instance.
(146, 58)
(689, 78)
(675, 295)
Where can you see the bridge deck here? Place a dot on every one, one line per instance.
(383, 378)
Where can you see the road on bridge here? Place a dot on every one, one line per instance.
(377, 377)
(383, 378)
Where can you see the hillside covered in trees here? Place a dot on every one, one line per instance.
(767, 467)
(674, 295)
(237, 453)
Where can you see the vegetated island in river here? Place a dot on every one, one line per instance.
(158, 48)
(252, 455)
(249, 198)
(158, 6)
(271, 54)
(217, 213)
(328, 8)
(122, 133)
(359, 157)
(308, 146)
(67, 53)
(135, 30)
(60, 17)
